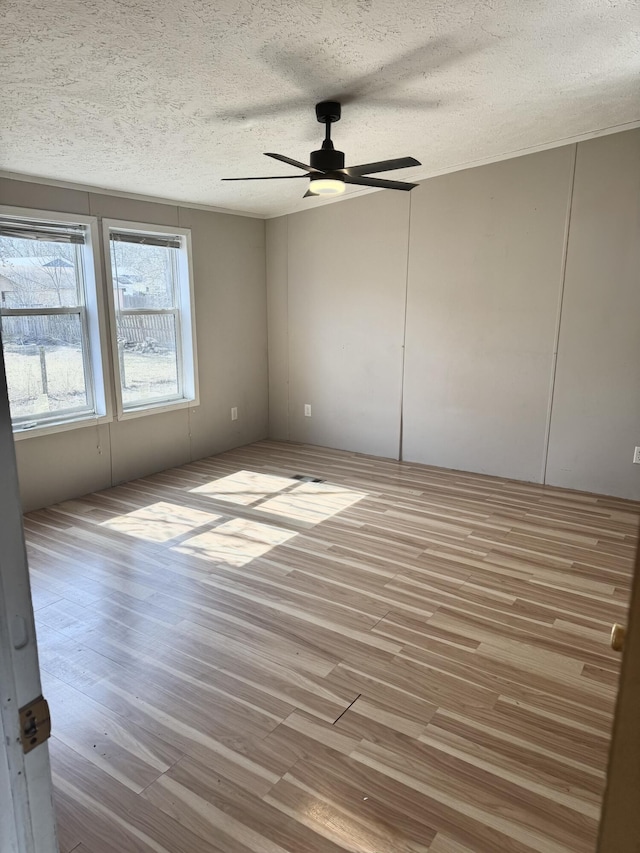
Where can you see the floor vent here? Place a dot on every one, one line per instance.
(306, 478)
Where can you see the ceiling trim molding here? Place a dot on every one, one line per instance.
(301, 207)
(471, 164)
(87, 188)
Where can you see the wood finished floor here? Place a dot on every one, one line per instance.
(402, 659)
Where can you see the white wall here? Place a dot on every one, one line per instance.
(596, 407)
(230, 307)
(336, 323)
(347, 265)
(489, 303)
(485, 271)
(277, 251)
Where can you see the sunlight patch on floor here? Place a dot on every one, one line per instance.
(235, 542)
(245, 487)
(160, 522)
(311, 502)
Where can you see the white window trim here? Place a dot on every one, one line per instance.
(191, 397)
(96, 325)
(78, 422)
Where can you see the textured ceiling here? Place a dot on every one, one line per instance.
(165, 97)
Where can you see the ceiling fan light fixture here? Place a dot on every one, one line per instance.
(326, 169)
(326, 186)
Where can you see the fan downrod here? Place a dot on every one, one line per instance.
(328, 112)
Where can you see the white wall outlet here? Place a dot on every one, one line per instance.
(307, 410)
(234, 413)
(636, 456)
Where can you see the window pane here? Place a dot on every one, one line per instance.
(142, 275)
(44, 363)
(37, 274)
(147, 354)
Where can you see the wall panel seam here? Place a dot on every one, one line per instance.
(404, 335)
(556, 343)
(286, 326)
(267, 316)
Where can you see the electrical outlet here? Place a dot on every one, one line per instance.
(307, 410)
(234, 413)
(636, 456)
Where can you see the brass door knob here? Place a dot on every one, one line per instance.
(617, 637)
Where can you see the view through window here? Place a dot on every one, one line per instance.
(44, 323)
(154, 359)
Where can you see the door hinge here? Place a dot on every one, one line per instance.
(35, 724)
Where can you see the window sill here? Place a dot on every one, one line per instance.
(92, 420)
(158, 408)
(60, 426)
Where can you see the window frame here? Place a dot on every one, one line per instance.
(93, 321)
(183, 311)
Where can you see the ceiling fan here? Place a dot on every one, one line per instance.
(327, 172)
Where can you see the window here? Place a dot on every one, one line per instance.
(50, 321)
(152, 317)
(57, 350)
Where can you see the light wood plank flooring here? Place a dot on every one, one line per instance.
(399, 659)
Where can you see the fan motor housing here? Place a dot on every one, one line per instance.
(327, 159)
(328, 112)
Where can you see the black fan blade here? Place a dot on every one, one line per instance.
(402, 103)
(380, 183)
(291, 162)
(246, 112)
(381, 166)
(268, 178)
